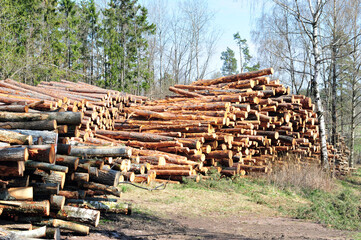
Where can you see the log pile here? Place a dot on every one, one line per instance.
(341, 163)
(41, 177)
(65, 145)
(235, 124)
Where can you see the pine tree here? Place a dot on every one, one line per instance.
(53, 47)
(88, 34)
(125, 47)
(244, 55)
(70, 28)
(8, 44)
(22, 30)
(230, 62)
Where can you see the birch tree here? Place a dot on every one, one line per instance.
(309, 18)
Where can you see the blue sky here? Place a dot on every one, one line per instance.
(231, 16)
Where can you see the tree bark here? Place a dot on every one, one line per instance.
(45, 166)
(42, 153)
(31, 125)
(83, 215)
(101, 187)
(25, 207)
(106, 151)
(15, 138)
(316, 89)
(14, 154)
(58, 223)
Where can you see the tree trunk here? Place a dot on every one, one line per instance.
(334, 97)
(47, 137)
(53, 233)
(77, 176)
(15, 108)
(13, 169)
(110, 177)
(353, 129)
(316, 89)
(67, 118)
(103, 206)
(42, 190)
(101, 187)
(70, 161)
(234, 78)
(18, 181)
(56, 177)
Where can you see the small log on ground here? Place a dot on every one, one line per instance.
(77, 214)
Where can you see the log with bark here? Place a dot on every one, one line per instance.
(77, 214)
(8, 154)
(41, 208)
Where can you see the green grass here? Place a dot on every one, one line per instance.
(341, 209)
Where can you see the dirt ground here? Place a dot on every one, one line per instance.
(200, 214)
(143, 226)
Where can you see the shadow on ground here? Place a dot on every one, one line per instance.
(145, 226)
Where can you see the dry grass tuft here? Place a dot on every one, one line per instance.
(300, 176)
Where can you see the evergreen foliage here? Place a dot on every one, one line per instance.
(75, 40)
(229, 62)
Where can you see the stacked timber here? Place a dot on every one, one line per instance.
(41, 177)
(235, 124)
(342, 163)
(98, 106)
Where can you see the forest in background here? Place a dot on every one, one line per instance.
(144, 49)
